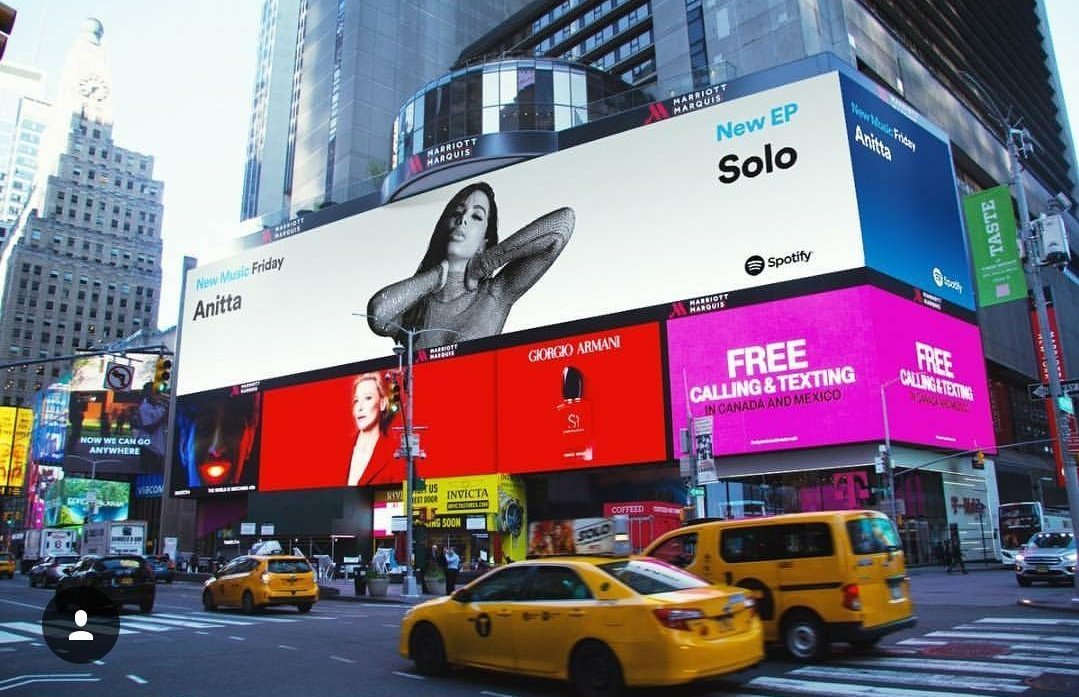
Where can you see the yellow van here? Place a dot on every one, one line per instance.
(820, 577)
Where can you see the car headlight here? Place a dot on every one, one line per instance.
(1070, 556)
(1019, 557)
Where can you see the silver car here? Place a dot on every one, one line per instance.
(1048, 556)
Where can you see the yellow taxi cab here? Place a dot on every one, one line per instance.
(602, 623)
(7, 565)
(818, 577)
(256, 581)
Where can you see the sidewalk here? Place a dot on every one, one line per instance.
(341, 589)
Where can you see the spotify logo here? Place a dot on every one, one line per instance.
(754, 265)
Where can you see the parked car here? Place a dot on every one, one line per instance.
(51, 569)
(126, 579)
(164, 567)
(1047, 556)
(819, 577)
(602, 623)
(256, 581)
(7, 565)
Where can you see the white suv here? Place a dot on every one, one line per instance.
(1048, 556)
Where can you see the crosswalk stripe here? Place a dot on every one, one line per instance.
(8, 638)
(178, 623)
(895, 677)
(145, 626)
(1055, 660)
(252, 618)
(35, 628)
(1005, 636)
(954, 666)
(829, 689)
(216, 620)
(1026, 621)
(921, 642)
(1031, 633)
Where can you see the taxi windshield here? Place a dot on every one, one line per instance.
(648, 576)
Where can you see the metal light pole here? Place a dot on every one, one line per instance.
(411, 588)
(889, 467)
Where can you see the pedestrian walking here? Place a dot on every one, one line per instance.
(453, 567)
(953, 556)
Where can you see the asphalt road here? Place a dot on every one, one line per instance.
(973, 638)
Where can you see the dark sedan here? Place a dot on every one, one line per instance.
(126, 579)
(51, 569)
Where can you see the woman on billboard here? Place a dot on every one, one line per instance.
(372, 451)
(468, 281)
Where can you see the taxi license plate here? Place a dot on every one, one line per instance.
(1042, 569)
(126, 581)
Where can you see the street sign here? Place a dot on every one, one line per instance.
(696, 491)
(118, 376)
(1038, 391)
(1073, 444)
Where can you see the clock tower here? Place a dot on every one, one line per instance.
(86, 83)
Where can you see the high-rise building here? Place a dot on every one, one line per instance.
(23, 117)
(82, 265)
(331, 78)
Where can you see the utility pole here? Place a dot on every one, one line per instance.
(1019, 143)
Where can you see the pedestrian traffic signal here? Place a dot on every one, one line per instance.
(7, 23)
(418, 483)
(163, 376)
(978, 461)
(394, 397)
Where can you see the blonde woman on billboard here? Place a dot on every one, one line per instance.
(468, 281)
(372, 450)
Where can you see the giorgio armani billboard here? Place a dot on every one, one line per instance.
(758, 190)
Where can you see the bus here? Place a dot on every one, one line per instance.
(1019, 521)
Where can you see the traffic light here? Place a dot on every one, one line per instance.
(978, 461)
(7, 23)
(1065, 404)
(418, 483)
(394, 396)
(163, 375)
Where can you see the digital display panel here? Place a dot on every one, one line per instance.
(581, 401)
(216, 442)
(808, 372)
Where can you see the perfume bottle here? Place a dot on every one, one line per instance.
(575, 417)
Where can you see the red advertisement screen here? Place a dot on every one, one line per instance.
(582, 401)
(344, 431)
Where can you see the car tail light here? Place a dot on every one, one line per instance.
(852, 598)
(677, 617)
(266, 578)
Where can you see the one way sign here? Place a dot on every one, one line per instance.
(1038, 391)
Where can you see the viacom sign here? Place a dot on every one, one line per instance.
(789, 182)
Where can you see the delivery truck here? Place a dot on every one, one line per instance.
(114, 537)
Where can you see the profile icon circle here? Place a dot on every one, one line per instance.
(80, 625)
(754, 265)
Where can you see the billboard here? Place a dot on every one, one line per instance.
(343, 432)
(808, 372)
(74, 501)
(581, 401)
(752, 191)
(908, 205)
(216, 442)
(116, 431)
(994, 246)
(16, 425)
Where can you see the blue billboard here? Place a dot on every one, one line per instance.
(912, 227)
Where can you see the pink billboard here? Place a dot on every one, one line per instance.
(808, 371)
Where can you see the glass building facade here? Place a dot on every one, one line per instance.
(504, 96)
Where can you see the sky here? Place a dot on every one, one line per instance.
(183, 76)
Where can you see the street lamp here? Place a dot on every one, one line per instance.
(411, 589)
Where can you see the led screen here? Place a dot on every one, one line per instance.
(678, 209)
(808, 372)
(345, 431)
(116, 431)
(216, 442)
(581, 401)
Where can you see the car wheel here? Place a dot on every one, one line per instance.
(208, 601)
(146, 606)
(594, 671)
(804, 637)
(248, 603)
(304, 607)
(427, 650)
(1024, 582)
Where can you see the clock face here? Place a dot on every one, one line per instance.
(93, 87)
